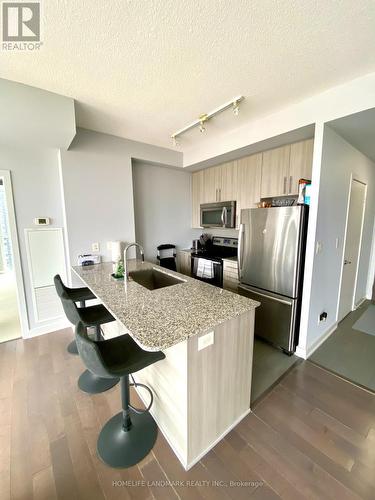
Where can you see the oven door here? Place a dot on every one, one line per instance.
(217, 271)
(221, 214)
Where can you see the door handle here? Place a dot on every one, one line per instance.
(290, 184)
(347, 262)
(284, 190)
(223, 217)
(240, 243)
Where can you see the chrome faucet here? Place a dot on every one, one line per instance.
(126, 273)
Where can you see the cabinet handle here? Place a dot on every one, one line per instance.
(284, 190)
(217, 195)
(290, 184)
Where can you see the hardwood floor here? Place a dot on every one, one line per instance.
(312, 436)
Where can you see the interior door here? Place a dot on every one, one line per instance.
(352, 247)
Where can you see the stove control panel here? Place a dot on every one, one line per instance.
(225, 242)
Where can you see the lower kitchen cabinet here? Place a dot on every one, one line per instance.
(230, 275)
(184, 262)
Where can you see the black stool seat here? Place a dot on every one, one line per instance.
(80, 295)
(122, 356)
(130, 435)
(92, 316)
(95, 315)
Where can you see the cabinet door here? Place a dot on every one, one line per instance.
(301, 155)
(228, 181)
(184, 262)
(197, 187)
(212, 183)
(275, 172)
(249, 172)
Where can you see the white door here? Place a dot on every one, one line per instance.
(352, 247)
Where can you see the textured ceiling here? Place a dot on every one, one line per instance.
(143, 68)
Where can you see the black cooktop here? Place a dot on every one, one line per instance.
(219, 248)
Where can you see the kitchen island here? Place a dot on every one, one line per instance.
(202, 387)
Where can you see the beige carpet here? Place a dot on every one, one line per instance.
(10, 328)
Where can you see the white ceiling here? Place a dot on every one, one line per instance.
(142, 69)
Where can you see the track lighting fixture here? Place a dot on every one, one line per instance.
(201, 121)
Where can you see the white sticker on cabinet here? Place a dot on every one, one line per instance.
(205, 340)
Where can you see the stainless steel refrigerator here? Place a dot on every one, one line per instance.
(271, 251)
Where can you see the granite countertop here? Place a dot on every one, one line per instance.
(159, 319)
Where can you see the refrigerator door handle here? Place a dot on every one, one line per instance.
(271, 297)
(240, 250)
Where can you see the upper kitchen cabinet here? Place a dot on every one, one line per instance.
(219, 183)
(229, 181)
(275, 172)
(248, 179)
(301, 156)
(197, 195)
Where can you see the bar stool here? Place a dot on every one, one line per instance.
(92, 316)
(130, 435)
(77, 295)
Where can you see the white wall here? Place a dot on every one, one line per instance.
(34, 117)
(338, 162)
(98, 189)
(36, 193)
(162, 204)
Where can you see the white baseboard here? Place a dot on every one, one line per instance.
(55, 325)
(306, 353)
(360, 302)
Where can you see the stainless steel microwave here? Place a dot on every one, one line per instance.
(218, 214)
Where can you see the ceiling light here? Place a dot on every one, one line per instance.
(200, 122)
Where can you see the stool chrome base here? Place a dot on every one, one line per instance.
(72, 348)
(119, 448)
(92, 384)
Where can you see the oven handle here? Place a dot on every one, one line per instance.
(240, 250)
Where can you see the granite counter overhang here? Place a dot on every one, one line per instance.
(161, 318)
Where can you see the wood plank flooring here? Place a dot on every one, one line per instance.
(312, 436)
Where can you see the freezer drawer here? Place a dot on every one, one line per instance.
(275, 318)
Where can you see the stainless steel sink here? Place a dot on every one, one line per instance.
(152, 279)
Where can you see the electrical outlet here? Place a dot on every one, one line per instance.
(205, 340)
(319, 247)
(323, 316)
(95, 247)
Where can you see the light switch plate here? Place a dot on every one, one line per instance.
(205, 340)
(95, 247)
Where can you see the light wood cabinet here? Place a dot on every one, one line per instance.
(275, 172)
(197, 195)
(184, 262)
(247, 183)
(271, 173)
(230, 275)
(301, 156)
